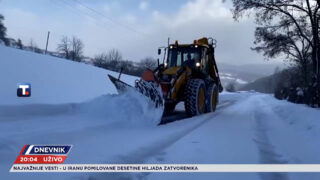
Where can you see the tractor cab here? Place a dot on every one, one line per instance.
(198, 57)
(180, 55)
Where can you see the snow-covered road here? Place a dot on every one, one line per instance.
(246, 128)
(255, 129)
(107, 128)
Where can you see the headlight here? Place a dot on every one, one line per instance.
(198, 64)
(165, 65)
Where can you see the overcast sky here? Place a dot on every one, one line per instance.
(135, 27)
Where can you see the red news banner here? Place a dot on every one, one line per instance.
(42, 154)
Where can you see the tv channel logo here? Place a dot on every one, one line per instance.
(23, 89)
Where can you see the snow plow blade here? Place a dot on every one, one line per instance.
(120, 85)
(149, 89)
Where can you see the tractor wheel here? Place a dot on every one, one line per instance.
(169, 107)
(212, 97)
(195, 97)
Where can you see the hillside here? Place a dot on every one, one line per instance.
(53, 80)
(263, 85)
(243, 75)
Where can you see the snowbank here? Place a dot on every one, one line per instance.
(128, 109)
(53, 80)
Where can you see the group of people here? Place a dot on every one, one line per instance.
(309, 95)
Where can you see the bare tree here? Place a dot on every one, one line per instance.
(64, 47)
(148, 62)
(111, 60)
(100, 60)
(71, 48)
(114, 57)
(77, 49)
(32, 45)
(231, 87)
(126, 66)
(19, 44)
(289, 27)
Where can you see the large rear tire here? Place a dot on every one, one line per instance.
(169, 107)
(212, 97)
(195, 97)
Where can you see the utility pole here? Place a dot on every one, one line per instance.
(47, 42)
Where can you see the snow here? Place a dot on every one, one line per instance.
(249, 128)
(229, 78)
(53, 80)
(240, 81)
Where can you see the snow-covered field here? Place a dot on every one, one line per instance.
(53, 80)
(75, 104)
(227, 78)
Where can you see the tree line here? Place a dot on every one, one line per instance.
(113, 60)
(72, 48)
(289, 30)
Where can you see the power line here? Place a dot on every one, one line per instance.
(67, 3)
(102, 15)
(108, 18)
(77, 10)
(63, 4)
(74, 10)
(82, 11)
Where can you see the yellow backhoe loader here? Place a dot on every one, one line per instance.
(188, 73)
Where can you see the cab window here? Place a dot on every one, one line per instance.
(177, 56)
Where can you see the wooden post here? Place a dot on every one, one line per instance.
(47, 42)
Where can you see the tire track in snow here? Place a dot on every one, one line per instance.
(142, 154)
(267, 151)
(181, 114)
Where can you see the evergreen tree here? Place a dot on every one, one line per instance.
(3, 30)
